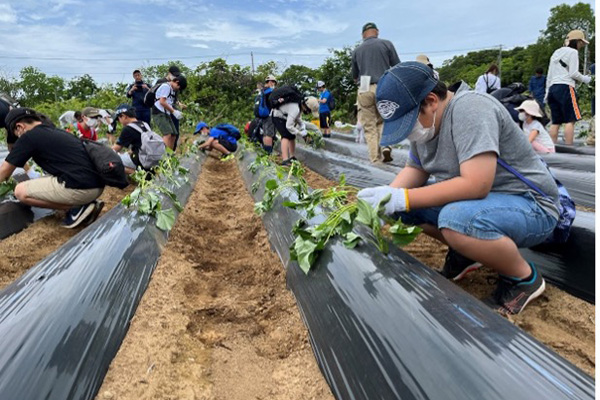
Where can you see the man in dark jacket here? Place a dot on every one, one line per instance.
(136, 92)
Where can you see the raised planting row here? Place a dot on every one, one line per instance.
(581, 184)
(570, 266)
(63, 321)
(385, 326)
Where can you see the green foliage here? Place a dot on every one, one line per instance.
(336, 72)
(7, 187)
(304, 78)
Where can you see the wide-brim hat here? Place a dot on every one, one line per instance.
(91, 112)
(400, 91)
(531, 107)
(199, 126)
(577, 35)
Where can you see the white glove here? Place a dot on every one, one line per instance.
(303, 132)
(398, 201)
(177, 114)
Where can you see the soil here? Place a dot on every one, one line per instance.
(23, 250)
(562, 322)
(216, 321)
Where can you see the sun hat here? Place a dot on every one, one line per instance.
(531, 107)
(313, 104)
(270, 78)
(577, 35)
(91, 112)
(400, 91)
(320, 84)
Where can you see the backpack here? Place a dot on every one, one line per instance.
(107, 163)
(566, 206)
(488, 89)
(331, 102)
(150, 96)
(261, 110)
(285, 94)
(230, 129)
(153, 147)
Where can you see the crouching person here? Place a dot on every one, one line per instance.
(73, 184)
(288, 121)
(222, 138)
(477, 206)
(146, 148)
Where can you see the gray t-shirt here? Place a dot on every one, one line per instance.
(373, 57)
(476, 123)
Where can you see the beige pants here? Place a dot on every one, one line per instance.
(48, 188)
(372, 122)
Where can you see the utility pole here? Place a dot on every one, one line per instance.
(585, 59)
(500, 61)
(252, 58)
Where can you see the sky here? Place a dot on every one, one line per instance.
(108, 39)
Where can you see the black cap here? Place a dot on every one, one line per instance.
(17, 114)
(369, 25)
(174, 70)
(182, 81)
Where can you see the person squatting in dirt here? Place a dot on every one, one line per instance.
(222, 138)
(72, 184)
(479, 208)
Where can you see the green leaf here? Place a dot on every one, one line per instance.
(351, 240)
(304, 253)
(343, 180)
(402, 234)
(366, 213)
(144, 206)
(165, 219)
(271, 184)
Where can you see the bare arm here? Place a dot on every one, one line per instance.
(410, 177)
(475, 182)
(533, 134)
(117, 147)
(6, 170)
(166, 106)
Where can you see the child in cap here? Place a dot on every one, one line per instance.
(530, 114)
(220, 140)
(477, 206)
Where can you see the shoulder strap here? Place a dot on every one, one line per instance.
(521, 177)
(140, 126)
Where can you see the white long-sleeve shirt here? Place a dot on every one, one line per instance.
(487, 80)
(569, 74)
(291, 113)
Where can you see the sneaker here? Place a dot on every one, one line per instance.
(292, 158)
(98, 206)
(386, 152)
(512, 295)
(286, 163)
(457, 266)
(327, 135)
(77, 215)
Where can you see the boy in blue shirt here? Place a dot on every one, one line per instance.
(220, 140)
(537, 86)
(324, 111)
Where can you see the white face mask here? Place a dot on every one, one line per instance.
(420, 134)
(522, 116)
(91, 122)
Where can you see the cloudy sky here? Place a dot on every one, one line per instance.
(108, 39)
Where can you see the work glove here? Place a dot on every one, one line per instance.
(398, 198)
(177, 114)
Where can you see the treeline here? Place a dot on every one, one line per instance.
(218, 91)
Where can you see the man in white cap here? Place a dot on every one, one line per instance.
(369, 61)
(563, 73)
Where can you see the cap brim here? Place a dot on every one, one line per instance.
(396, 131)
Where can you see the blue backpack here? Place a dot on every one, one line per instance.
(566, 206)
(331, 102)
(261, 110)
(230, 129)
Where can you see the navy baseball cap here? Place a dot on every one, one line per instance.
(122, 108)
(400, 91)
(200, 125)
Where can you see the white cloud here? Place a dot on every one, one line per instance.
(292, 23)
(7, 14)
(213, 31)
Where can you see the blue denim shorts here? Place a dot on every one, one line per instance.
(518, 217)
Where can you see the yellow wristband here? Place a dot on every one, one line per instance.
(406, 199)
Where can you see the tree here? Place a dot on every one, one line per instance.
(36, 87)
(82, 87)
(304, 78)
(336, 72)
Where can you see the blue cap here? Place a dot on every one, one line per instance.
(200, 125)
(400, 92)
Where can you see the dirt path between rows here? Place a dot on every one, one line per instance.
(23, 250)
(562, 322)
(216, 321)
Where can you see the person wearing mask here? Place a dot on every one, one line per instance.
(72, 183)
(563, 74)
(90, 117)
(489, 81)
(369, 61)
(537, 86)
(136, 92)
(477, 206)
(530, 115)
